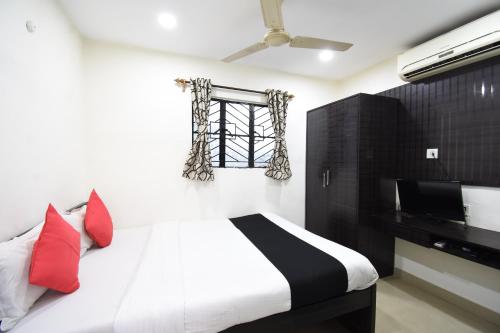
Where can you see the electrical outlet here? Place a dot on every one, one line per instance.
(432, 153)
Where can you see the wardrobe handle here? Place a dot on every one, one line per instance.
(327, 177)
(324, 180)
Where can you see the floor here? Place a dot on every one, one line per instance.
(402, 308)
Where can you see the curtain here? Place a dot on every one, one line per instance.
(198, 165)
(279, 166)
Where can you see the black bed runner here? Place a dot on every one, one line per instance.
(313, 275)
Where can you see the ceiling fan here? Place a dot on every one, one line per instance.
(277, 36)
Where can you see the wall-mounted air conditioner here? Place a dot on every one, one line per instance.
(472, 42)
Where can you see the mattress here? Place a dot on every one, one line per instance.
(176, 277)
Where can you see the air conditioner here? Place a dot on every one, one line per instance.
(472, 42)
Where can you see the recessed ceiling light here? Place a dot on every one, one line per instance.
(167, 21)
(326, 55)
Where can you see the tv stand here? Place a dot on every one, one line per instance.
(464, 241)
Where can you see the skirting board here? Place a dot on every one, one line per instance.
(452, 298)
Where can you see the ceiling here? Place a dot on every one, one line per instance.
(215, 29)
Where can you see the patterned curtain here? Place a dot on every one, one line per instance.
(279, 166)
(199, 162)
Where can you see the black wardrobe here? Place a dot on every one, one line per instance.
(350, 169)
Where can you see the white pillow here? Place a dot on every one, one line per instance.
(77, 220)
(17, 295)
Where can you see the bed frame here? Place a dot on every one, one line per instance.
(354, 310)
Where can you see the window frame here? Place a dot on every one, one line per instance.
(222, 136)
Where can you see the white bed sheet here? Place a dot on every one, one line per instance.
(179, 277)
(105, 275)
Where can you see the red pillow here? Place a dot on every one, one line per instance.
(56, 255)
(98, 222)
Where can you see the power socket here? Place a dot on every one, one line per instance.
(432, 153)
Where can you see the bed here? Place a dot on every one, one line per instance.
(212, 276)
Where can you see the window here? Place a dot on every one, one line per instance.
(240, 134)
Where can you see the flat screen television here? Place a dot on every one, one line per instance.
(441, 200)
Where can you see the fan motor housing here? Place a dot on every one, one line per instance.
(276, 38)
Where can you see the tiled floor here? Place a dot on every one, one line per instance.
(402, 308)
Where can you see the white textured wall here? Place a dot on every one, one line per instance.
(41, 131)
(476, 282)
(139, 133)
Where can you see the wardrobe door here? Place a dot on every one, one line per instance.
(377, 156)
(316, 165)
(343, 166)
(377, 153)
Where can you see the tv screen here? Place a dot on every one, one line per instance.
(439, 199)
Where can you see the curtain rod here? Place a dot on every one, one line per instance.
(184, 83)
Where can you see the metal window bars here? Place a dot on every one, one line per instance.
(240, 134)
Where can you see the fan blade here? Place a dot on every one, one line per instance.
(271, 11)
(246, 52)
(318, 43)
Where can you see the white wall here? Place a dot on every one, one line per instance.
(476, 282)
(139, 133)
(134, 134)
(372, 80)
(41, 138)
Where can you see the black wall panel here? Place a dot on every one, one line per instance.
(457, 112)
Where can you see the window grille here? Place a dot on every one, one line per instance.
(240, 134)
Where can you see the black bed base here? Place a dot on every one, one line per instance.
(354, 310)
